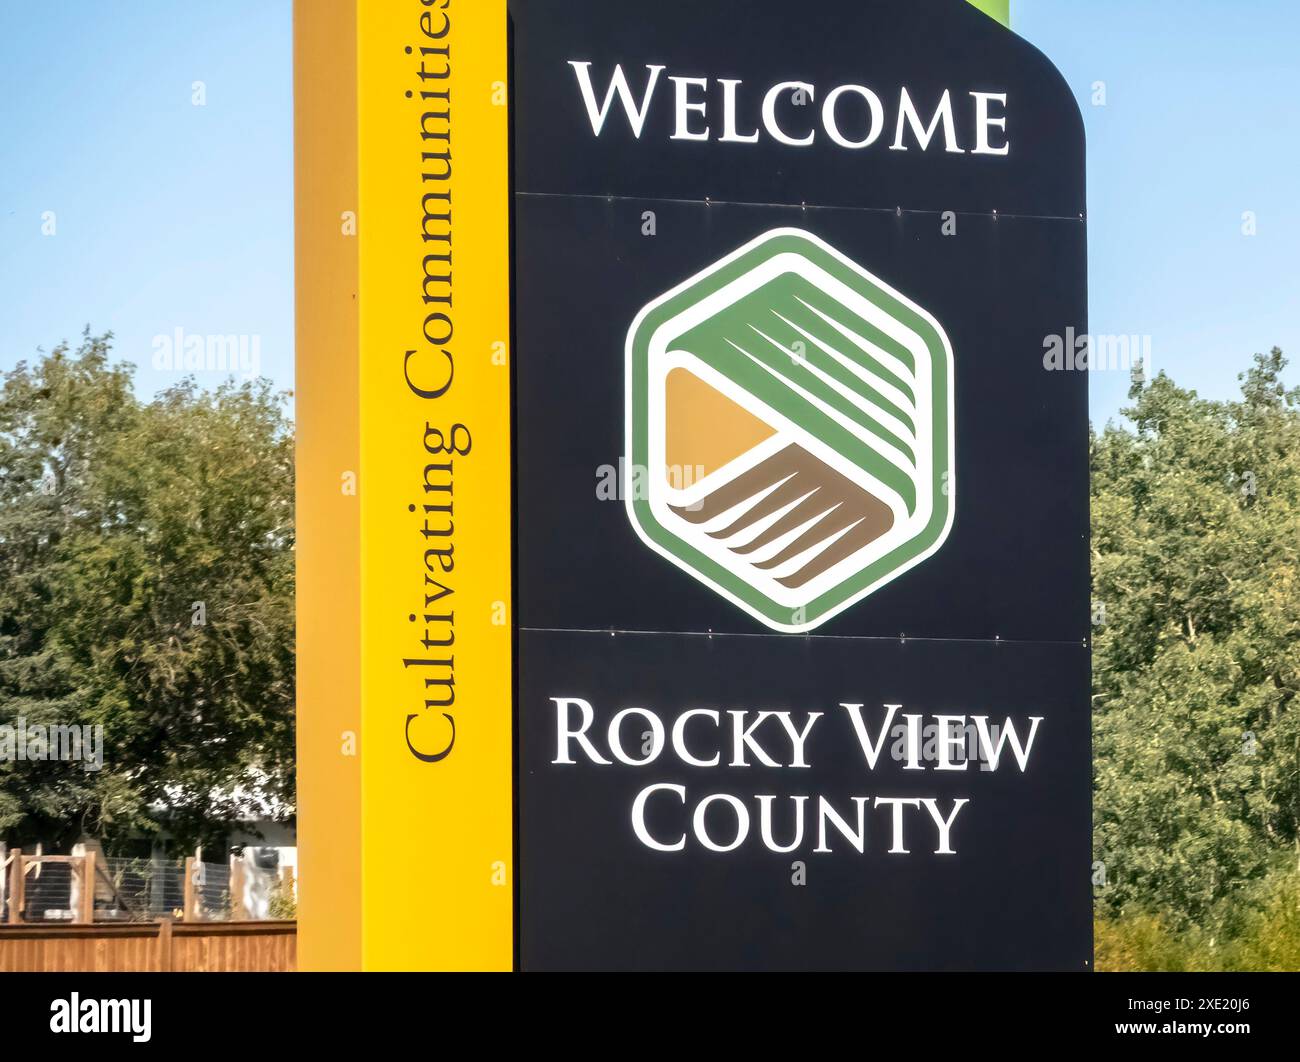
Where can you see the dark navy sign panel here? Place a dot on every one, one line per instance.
(1015, 896)
(1015, 564)
(926, 46)
(995, 622)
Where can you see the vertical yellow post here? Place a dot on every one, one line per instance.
(328, 484)
(406, 847)
(436, 685)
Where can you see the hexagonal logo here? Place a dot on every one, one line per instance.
(791, 417)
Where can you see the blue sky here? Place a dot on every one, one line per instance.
(1200, 125)
(174, 216)
(168, 215)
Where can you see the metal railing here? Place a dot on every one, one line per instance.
(95, 888)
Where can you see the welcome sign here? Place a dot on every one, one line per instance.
(801, 526)
(796, 597)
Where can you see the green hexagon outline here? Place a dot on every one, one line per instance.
(884, 569)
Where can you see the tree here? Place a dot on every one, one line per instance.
(1195, 532)
(146, 585)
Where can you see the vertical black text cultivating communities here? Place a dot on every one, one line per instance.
(429, 370)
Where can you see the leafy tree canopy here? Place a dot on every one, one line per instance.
(1196, 581)
(146, 584)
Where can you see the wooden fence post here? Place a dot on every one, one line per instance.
(164, 945)
(238, 909)
(188, 912)
(16, 879)
(87, 913)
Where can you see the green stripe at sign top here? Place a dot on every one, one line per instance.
(998, 9)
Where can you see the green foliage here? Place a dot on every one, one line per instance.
(1257, 931)
(283, 903)
(117, 519)
(1196, 581)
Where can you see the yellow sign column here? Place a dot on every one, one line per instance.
(328, 468)
(430, 366)
(436, 677)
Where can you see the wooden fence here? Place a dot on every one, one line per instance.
(180, 947)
